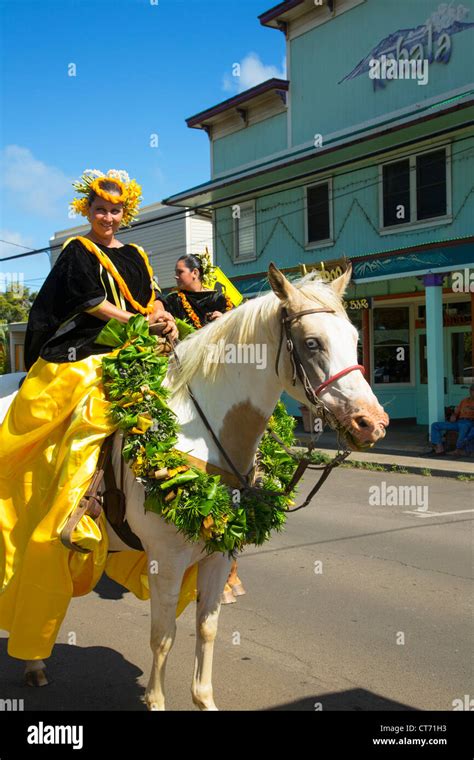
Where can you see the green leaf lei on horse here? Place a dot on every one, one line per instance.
(198, 504)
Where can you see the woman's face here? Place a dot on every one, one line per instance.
(105, 217)
(186, 278)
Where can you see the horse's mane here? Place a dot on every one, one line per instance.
(251, 322)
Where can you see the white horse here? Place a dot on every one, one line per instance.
(238, 400)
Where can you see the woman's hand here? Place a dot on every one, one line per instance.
(170, 329)
(213, 315)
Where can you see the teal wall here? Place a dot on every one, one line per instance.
(280, 220)
(249, 144)
(321, 103)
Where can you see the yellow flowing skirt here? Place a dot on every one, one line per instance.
(50, 441)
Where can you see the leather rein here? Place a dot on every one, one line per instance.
(312, 395)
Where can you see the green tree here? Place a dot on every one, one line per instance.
(15, 305)
(3, 351)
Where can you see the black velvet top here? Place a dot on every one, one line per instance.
(57, 321)
(202, 302)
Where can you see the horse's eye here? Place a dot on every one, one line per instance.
(313, 344)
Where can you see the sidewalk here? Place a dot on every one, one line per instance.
(404, 446)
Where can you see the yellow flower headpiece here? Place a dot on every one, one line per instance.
(130, 192)
(208, 279)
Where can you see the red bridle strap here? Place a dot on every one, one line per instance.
(335, 377)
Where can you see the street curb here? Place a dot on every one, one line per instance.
(414, 469)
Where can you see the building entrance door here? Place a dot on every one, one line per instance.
(458, 371)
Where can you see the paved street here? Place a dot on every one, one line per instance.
(334, 636)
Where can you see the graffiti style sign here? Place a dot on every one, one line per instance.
(430, 42)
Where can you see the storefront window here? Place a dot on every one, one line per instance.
(454, 312)
(461, 357)
(391, 345)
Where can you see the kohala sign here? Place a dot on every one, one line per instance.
(430, 42)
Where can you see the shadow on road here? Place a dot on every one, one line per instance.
(83, 678)
(107, 588)
(353, 699)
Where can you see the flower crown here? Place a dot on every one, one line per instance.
(130, 192)
(208, 268)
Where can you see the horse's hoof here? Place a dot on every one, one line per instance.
(237, 588)
(37, 678)
(205, 705)
(227, 595)
(153, 704)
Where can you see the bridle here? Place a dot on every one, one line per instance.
(312, 395)
(298, 367)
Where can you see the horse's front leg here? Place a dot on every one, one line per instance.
(164, 592)
(212, 573)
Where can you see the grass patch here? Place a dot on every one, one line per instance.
(354, 464)
(397, 468)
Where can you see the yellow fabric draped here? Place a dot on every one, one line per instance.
(50, 441)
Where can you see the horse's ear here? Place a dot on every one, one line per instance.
(279, 284)
(340, 284)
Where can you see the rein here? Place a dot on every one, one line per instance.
(313, 397)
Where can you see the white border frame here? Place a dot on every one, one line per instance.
(237, 259)
(415, 223)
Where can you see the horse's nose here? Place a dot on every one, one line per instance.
(362, 422)
(368, 428)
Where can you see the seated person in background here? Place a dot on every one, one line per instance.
(462, 421)
(469, 443)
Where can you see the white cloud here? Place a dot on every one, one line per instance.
(252, 72)
(34, 186)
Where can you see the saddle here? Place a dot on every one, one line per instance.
(102, 495)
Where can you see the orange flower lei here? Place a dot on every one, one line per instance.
(192, 314)
(95, 186)
(110, 267)
(189, 310)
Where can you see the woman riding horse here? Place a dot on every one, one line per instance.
(51, 436)
(195, 304)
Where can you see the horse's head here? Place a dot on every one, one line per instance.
(326, 344)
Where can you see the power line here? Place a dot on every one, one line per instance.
(365, 184)
(158, 221)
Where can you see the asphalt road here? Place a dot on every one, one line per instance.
(384, 623)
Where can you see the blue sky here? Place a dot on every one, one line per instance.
(141, 69)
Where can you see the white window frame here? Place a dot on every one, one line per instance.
(414, 222)
(236, 259)
(310, 246)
